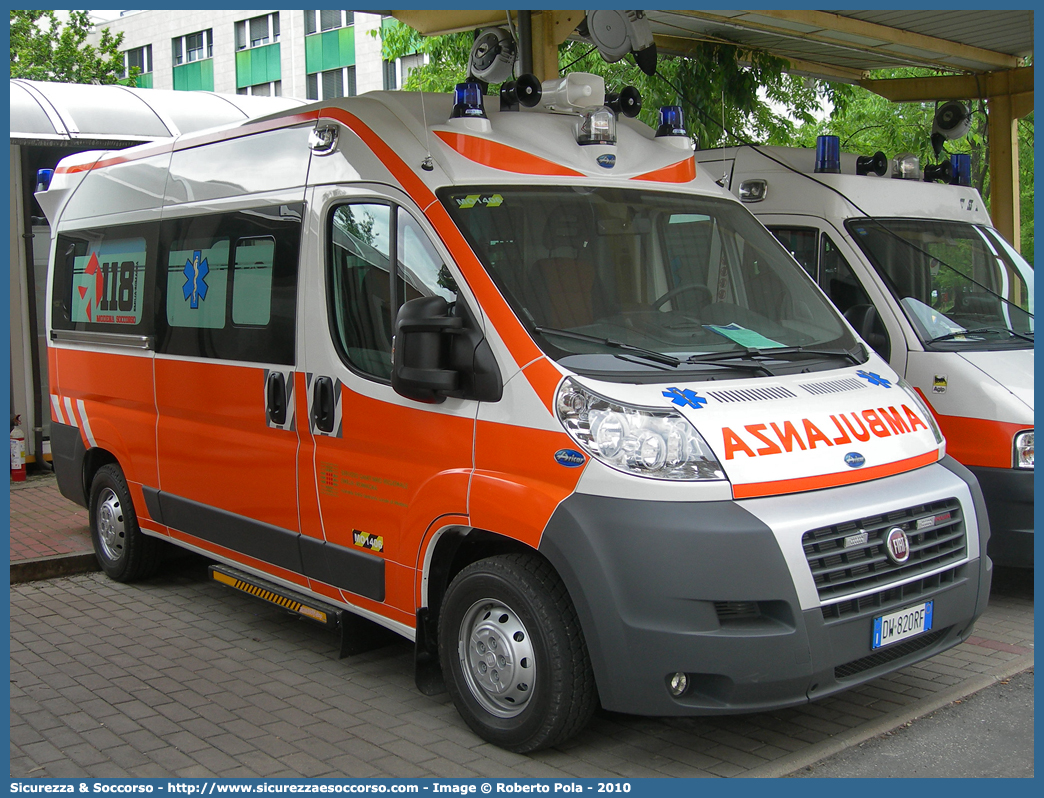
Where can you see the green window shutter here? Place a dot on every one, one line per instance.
(275, 68)
(346, 46)
(314, 53)
(243, 71)
(206, 75)
(145, 81)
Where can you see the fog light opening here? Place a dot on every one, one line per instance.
(678, 684)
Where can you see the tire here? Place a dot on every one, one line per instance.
(513, 654)
(122, 551)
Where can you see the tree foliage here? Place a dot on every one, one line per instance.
(46, 48)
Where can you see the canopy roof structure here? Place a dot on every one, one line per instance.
(984, 54)
(66, 113)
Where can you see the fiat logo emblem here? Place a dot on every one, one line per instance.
(897, 547)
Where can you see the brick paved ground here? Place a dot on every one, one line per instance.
(44, 523)
(180, 677)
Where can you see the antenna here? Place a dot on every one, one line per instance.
(426, 164)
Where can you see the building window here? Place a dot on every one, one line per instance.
(390, 81)
(408, 63)
(194, 47)
(333, 83)
(258, 31)
(271, 89)
(317, 21)
(140, 57)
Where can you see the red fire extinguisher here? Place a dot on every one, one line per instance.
(17, 452)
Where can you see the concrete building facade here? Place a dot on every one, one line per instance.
(309, 55)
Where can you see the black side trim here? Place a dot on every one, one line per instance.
(356, 571)
(67, 454)
(239, 533)
(152, 504)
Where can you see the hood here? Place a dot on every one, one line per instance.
(1012, 369)
(799, 432)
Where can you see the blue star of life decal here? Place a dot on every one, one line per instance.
(196, 287)
(874, 379)
(685, 397)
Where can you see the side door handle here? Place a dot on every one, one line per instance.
(323, 404)
(275, 392)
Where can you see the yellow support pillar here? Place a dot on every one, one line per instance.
(1004, 168)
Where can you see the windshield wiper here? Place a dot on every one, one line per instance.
(979, 330)
(848, 354)
(648, 354)
(770, 353)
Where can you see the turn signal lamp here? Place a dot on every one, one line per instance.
(467, 101)
(961, 162)
(906, 166)
(597, 126)
(672, 121)
(828, 154)
(1024, 450)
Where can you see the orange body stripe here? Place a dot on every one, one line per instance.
(503, 157)
(681, 172)
(978, 441)
(802, 484)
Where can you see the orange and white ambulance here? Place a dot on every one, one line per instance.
(921, 273)
(514, 380)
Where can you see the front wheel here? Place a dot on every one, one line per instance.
(515, 659)
(122, 551)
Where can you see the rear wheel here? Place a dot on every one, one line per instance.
(513, 653)
(124, 553)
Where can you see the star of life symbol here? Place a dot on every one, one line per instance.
(685, 397)
(196, 287)
(874, 379)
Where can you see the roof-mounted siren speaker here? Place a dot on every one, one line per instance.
(872, 164)
(943, 172)
(616, 33)
(493, 55)
(952, 121)
(573, 92)
(524, 91)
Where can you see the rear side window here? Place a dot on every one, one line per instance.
(230, 285)
(102, 282)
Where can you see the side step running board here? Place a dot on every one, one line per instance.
(358, 634)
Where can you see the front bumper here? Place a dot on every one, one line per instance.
(722, 591)
(1009, 501)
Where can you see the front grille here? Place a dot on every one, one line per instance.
(892, 597)
(890, 654)
(862, 565)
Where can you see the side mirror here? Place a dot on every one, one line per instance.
(439, 351)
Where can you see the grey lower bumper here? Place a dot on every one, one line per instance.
(706, 589)
(1009, 501)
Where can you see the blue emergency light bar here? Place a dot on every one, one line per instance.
(467, 101)
(961, 162)
(828, 154)
(672, 121)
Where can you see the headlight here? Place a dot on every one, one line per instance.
(1024, 449)
(925, 410)
(648, 442)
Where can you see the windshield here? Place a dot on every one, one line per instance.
(629, 280)
(960, 285)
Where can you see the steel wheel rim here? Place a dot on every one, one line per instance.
(112, 534)
(497, 658)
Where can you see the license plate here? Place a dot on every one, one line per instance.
(902, 625)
